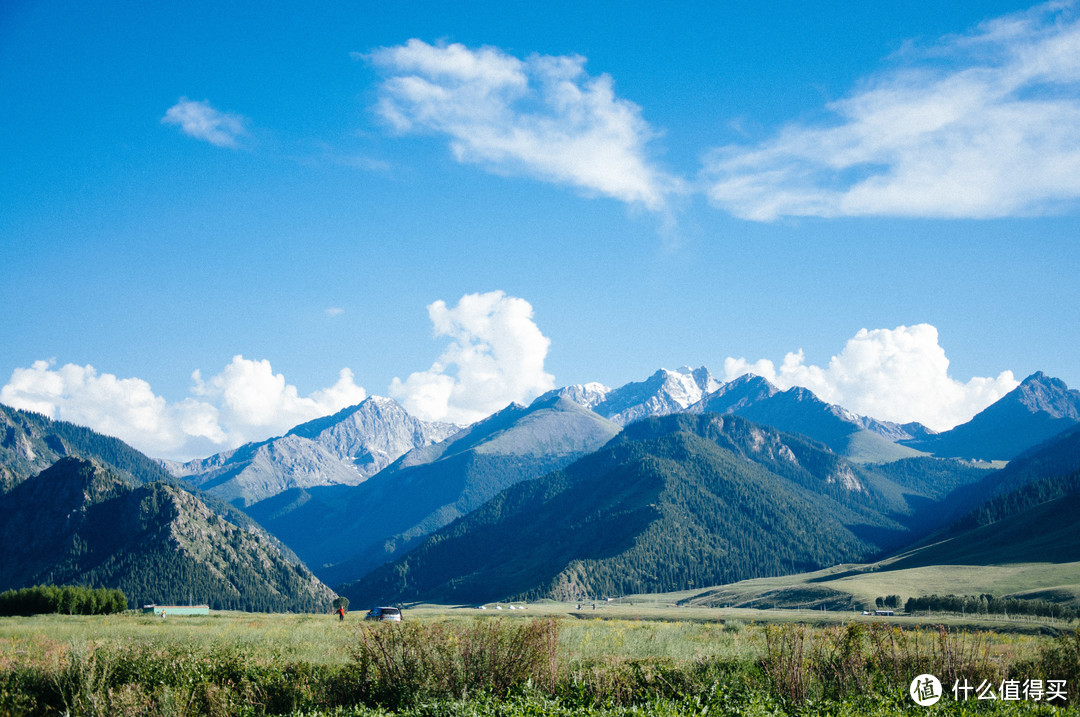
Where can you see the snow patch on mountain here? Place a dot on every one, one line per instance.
(345, 448)
(663, 393)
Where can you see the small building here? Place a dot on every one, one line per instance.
(161, 610)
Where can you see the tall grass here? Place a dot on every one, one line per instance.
(401, 664)
(1059, 660)
(803, 663)
(514, 667)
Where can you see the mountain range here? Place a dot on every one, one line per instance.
(1039, 408)
(78, 507)
(678, 502)
(676, 480)
(430, 486)
(346, 448)
(902, 498)
(670, 502)
(663, 393)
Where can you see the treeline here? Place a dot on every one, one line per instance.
(64, 599)
(989, 605)
(889, 601)
(1021, 499)
(63, 439)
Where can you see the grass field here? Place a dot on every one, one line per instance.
(848, 587)
(638, 656)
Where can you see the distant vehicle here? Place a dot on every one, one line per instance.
(384, 614)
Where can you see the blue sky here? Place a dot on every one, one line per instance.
(591, 190)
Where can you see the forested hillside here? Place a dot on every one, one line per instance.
(1027, 513)
(669, 504)
(344, 532)
(31, 442)
(81, 523)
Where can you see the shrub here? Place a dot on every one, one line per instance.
(1058, 660)
(400, 664)
(803, 663)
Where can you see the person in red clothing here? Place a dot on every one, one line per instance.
(341, 612)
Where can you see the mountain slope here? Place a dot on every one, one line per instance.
(663, 393)
(343, 449)
(78, 522)
(1039, 408)
(798, 410)
(367, 524)
(1022, 513)
(31, 442)
(1042, 533)
(670, 502)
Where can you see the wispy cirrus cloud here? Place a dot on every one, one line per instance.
(203, 122)
(980, 125)
(543, 117)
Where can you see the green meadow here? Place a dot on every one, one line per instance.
(639, 656)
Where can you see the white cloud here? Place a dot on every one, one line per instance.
(245, 402)
(201, 121)
(980, 125)
(256, 402)
(542, 117)
(496, 356)
(894, 375)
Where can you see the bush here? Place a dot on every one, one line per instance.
(400, 664)
(803, 663)
(1058, 660)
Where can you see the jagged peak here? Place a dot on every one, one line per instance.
(1040, 393)
(750, 378)
(595, 386)
(584, 394)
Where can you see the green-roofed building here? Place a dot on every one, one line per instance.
(163, 610)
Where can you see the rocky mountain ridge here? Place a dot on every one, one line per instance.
(345, 448)
(430, 486)
(1036, 410)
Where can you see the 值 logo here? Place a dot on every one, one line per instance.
(925, 690)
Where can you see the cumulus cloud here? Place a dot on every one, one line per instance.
(980, 125)
(201, 121)
(542, 117)
(894, 375)
(246, 401)
(255, 401)
(496, 356)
